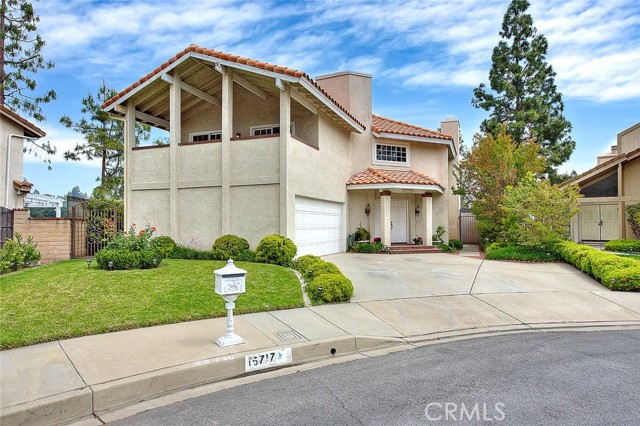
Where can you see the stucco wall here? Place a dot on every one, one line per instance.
(255, 160)
(321, 173)
(15, 172)
(150, 166)
(150, 207)
(255, 211)
(199, 216)
(199, 164)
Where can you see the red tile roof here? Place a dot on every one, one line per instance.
(602, 167)
(233, 58)
(386, 125)
(373, 176)
(31, 129)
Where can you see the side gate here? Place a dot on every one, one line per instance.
(468, 231)
(6, 225)
(93, 225)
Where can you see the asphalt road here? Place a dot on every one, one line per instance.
(560, 378)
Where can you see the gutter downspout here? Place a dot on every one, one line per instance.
(8, 177)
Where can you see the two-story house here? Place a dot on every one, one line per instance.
(257, 149)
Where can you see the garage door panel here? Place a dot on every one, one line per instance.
(318, 226)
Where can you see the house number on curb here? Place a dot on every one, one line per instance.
(264, 360)
(230, 283)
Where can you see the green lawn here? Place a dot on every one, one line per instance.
(630, 256)
(66, 299)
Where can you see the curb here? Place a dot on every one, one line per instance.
(110, 397)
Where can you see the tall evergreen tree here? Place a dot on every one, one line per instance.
(104, 140)
(526, 99)
(21, 52)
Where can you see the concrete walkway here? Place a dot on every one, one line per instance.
(400, 300)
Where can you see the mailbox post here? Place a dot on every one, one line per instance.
(230, 282)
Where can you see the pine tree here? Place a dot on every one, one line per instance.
(526, 99)
(20, 48)
(104, 140)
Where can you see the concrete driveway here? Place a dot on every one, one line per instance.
(418, 294)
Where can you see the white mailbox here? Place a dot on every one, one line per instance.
(230, 282)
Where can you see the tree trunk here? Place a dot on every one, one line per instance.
(2, 24)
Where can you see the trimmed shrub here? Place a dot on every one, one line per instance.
(302, 263)
(276, 249)
(614, 272)
(456, 244)
(229, 247)
(318, 268)
(330, 288)
(125, 259)
(184, 252)
(520, 253)
(623, 245)
(247, 256)
(164, 245)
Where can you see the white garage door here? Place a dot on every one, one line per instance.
(318, 226)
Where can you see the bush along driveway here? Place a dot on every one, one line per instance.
(67, 299)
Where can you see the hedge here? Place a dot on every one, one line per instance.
(318, 268)
(125, 259)
(623, 245)
(614, 272)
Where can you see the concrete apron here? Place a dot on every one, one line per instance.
(61, 381)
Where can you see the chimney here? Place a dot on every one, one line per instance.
(352, 90)
(614, 149)
(451, 126)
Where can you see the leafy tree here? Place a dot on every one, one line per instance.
(633, 218)
(538, 211)
(75, 192)
(20, 48)
(492, 164)
(103, 139)
(525, 96)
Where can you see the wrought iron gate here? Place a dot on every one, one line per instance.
(93, 225)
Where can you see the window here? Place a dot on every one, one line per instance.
(391, 154)
(215, 135)
(270, 129)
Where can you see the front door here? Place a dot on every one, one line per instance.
(399, 221)
(399, 209)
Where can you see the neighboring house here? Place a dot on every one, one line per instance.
(608, 188)
(257, 149)
(13, 132)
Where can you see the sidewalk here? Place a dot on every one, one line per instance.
(77, 378)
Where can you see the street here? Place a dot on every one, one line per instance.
(564, 378)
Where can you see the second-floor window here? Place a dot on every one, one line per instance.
(391, 154)
(270, 129)
(214, 135)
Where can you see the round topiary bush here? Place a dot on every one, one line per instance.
(302, 263)
(330, 288)
(164, 245)
(125, 259)
(229, 247)
(318, 268)
(276, 249)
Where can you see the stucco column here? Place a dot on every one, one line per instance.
(129, 142)
(227, 133)
(287, 200)
(385, 217)
(427, 217)
(175, 137)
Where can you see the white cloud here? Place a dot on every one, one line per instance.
(62, 139)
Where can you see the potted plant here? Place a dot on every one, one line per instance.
(362, 234)
(439, 235)
(417, 240)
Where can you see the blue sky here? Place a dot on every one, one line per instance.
(425, 57)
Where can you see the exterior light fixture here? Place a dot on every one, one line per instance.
(417, 211)
(155, 262)
(88, 263)
(238, 135)
(110, 266)
(367, 210)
